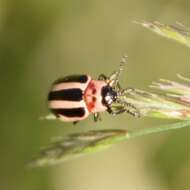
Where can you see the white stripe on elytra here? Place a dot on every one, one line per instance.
(63, 86)
(66, 104)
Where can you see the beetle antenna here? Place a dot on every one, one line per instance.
(114, 78)
(122, 64)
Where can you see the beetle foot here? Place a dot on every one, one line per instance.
(75, 122)
(134, 113)
(97, 117)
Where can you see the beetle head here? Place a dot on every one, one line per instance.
(109, 95)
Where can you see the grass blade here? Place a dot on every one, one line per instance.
(79, 144)
(175, 32)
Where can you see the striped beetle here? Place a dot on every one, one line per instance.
(74, 97)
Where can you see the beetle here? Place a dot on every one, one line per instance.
(74, 97)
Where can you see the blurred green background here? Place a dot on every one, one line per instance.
(41, 40)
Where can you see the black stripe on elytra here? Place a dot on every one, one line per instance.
(73, 78)
(72, 94)
(69, 112)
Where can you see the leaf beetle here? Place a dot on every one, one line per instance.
(74, 97)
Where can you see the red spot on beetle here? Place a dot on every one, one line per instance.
(94, 91)
(91, 85)
(91, 105)
(94, 99)
(91, 88)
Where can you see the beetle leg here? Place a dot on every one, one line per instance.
(124, 108)
(118, 87)
(134, 111)
(102, 77)
(128, 107)
(115, 112)
(75, 122)
(127, 90)
(114, 78)
(97, 117)
(123, 92)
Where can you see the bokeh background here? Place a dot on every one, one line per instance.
(41, 40)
